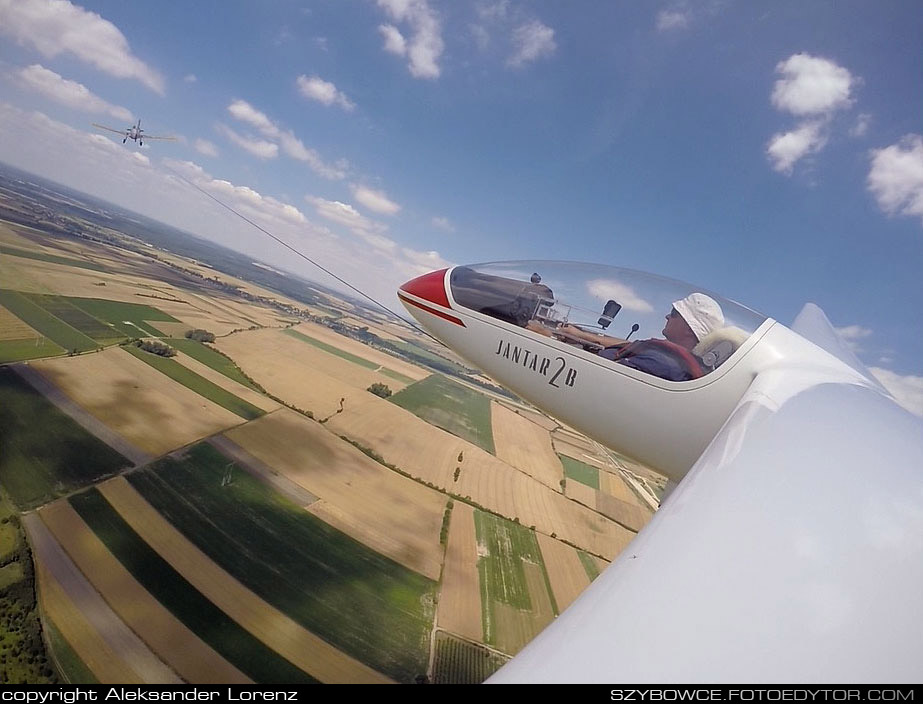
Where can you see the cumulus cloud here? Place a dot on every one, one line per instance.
(323, 92)
(786, 148)
(203, 146)
(896, 177)
(259, 148)
(70, 93)
(55, 27)
(290, 144)
(862, 125)
(851, 334)
(376, 201)
(531, 41)
(907, 390)
(443, 224)
(811, 85)
(190, 78)
(668, 20)
(604, 289)
(425, 46)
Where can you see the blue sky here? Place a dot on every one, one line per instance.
(768, 151)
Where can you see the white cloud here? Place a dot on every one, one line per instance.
(896, 177)
(604, 289)
(425, 46)
(141, 158)
(190, 78)
(342, 213)
(203, 146)
(291, 145)
(811, 85)
(862, 125)
(70, 93)
(532, 41)
(785, 149)
(257, 147)
(323, 91)
(376, 201)
(55, 27)
(443, 224)
(851, 334)
(668, 20)
(394, 40)
(907, 390)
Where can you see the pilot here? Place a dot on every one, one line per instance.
(690, 320)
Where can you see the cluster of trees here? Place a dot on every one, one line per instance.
(156, 347)
(378, 389)
(200, 335)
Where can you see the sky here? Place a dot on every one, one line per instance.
(769, 151)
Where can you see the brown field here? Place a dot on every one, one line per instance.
(516, 628)
(629, 515)
(111, 650)
(218, 379)
(299, 373)
(152, 412)
(8, 236)
(271, 626)
(581, 492)
(431, 454)
(392, 514)
(565, 571)
(526, 446)
(179, 647)
(12, 328)
(460, 596)
(172, 329)
(377, 328)
(613, 485)
(531, 414)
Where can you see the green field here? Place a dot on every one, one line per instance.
(398, 376)
(351, 596)
(45, 453)
(19, 350)
(589, 564)
(70, 666)
(211, 358)
(45, 257)
(444, 403)
(130, 319)
(460, 662)
(237, 645)
(64, 309)
(44, 322)
(580, 471)
(200, 385)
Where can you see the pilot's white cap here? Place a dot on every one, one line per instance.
(701, 313)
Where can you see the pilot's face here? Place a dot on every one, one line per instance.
(676, 329)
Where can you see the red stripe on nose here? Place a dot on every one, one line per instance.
(430, 287)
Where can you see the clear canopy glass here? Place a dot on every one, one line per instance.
(599, 308)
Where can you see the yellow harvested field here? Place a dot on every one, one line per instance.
(565, 571)
(299, 373)
(460, 597)
(218, 379)
(515, 628)
(531, 414)
(431, 454)
(613, 485)
(280, 633)
(390, 513)
(629, 515)
(149, 410)
(172, 329)
(9, 236)
(524, 445)
(600, 563)
(12, 328)
(581, 492)
(173, 642)
(324, 334)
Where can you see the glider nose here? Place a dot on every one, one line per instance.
(429, 287)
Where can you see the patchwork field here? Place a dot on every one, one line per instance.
(238, 390)
(278, 632)
(431, 454)
(353, 488)
(12, 328)
(526, 446)
(299, 373)
(45, 453)
(44, 322)
(460, 662)
(460, 597)
(515, 599)
(359, 601)
(136, 401)
(450, 406)
(173, 642)
(213, 360)
(582, 472)
(566, 573)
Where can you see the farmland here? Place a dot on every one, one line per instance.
(580, 472)
(212, 358)
(45, 323)
(45, 452)
(526, 446)
(450, 406)
(460, 662)
(364, 604)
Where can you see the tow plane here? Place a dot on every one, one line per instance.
(790, 546)
(134, 133)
